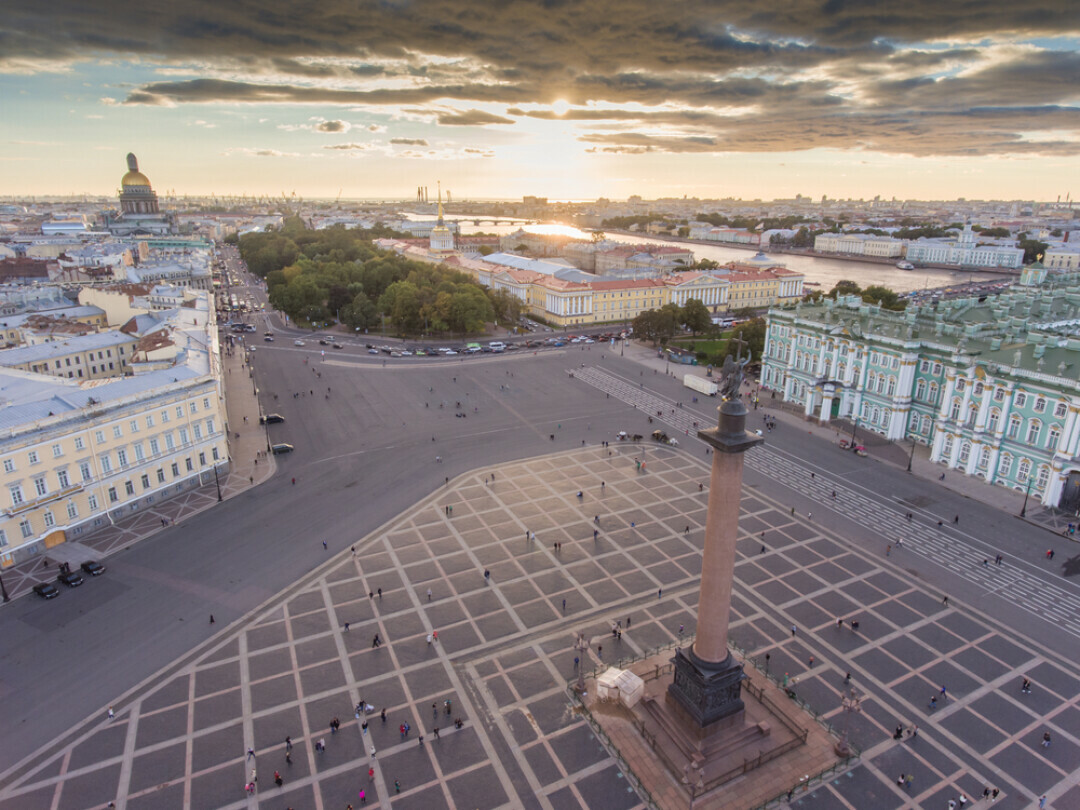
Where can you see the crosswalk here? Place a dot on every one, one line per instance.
(881, 522)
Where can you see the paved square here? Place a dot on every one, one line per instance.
(503, 657)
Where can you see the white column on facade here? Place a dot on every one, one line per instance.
(828, 392)
(984, 410)
(1069, 433)
(955, 454)
(946, 394)
(973, 457)
(938, 443)
(808, 409)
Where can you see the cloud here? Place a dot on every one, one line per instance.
(471, 118)
(408, 142)
(351, 146)
(333, 126)
(274, 153)
(718, 75)
(375, 128)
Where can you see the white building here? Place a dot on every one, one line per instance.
(859, 244)
(963, 252)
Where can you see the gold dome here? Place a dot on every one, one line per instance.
(135, 179)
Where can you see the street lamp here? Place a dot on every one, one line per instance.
(1023, 509)
(854, 425)
(912, 456)
(851, 704)
(217, 482)
(694, 787)
(3, 590)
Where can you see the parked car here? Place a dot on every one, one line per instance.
(73, 579)
(338, 346)
(372, 351)
(46, 590)
(271, 419)
(93, 568)
(268, 339)
(298, 343)
(278, 449)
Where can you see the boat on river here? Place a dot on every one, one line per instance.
(905, 266)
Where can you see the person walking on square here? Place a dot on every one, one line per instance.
(1025, 687)
(1046, 739)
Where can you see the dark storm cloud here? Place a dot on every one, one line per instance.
(332, 126)
(798, 74)
(408, 142)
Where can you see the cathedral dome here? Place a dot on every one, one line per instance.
(134, 177)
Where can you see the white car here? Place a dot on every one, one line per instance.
(449, 352)
(298, 343)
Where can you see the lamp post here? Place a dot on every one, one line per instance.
(1023, 509)
(217, 482)
(694, 787)
(3, 590)
(854, 425)
(850, 704)
(912, 456)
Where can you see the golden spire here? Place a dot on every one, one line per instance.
(440, 201)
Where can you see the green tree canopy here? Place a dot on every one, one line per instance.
(696, 317)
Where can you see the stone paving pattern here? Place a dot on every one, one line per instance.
(503, 658)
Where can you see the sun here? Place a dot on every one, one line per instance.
(560, 106)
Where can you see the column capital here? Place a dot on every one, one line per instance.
(730, 435)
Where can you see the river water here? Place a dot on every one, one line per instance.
(824, 271)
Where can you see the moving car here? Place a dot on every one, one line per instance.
(271, 419)
(73, 579)
(322, 342)
(93, 568)
(46, 590)
(278, 449)
(338, 346)
(372, 351)
(268, 339)
(298, 343)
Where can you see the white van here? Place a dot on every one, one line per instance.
(497, 346)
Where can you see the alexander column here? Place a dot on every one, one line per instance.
(708, 680)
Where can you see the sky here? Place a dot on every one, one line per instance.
(561, 98)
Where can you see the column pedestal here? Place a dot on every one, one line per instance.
(704, 693)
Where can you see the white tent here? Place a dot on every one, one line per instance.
(620, 684)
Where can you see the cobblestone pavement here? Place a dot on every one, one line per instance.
(503, 658)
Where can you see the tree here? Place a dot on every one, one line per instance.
(1033, 249)
(684, 232)
(695, 316)
(507, 306)
(889, 299)
(360, 313)
(401, 304)
(844, 287)
(485, 250)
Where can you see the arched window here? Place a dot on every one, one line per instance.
(1014, 426)
(913, 423)
(880, 383)
(877, 416)
(1023, 470)
(984, 457)
(954, 411)
(978, 389)
(927, 424)
(1053, 437)
(934, 393)
(920, 389)
(1034, 427)
(1042, 478)
(992, 421)
(965, 452)
(1040, 405)
(891, 389)
(1005, 465)
(1020, 400)
(946, 448)
(1059, 410)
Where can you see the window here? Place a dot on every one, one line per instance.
(978, 389)
(984, 457)
(206, 403)
(954, 411)
(9, 465)
(84, 470)
(1005, 467)
(129, 488)
(179, 411)
(170, 444)
(155, 448)
(113, 496)
(934, 393)
(3, 538)
(198, 431)
(106, 464)
(214, 453)
(99, 436)
(999, 395)
(946, 449)
(1020, 400)
(164, 417)
(57, 451)
(133, 426)
(965, 452)
(92, 502)
(33, 457)
(139, 454)
(1059, 409)
(891, 387)
(79, 444)
(920, 389)
(149, 420)
(184, 436)
(1034, 426)
(202, 459)
(40, 487)
(1053, 437)
(937, 368)
(117, 432)
(924, 366)
(72, 510)
(992, 421)
(24, 527)
(175, 470)
(121, 457)
(16, 494)
(1014, 426)
(161, 476)
(1040, 405)
(62, 478)
(50, 521)
(194, 406)
(1042, 478)
(1023, 471)
(927, 424)
(961, 384)
(145, 480)
(210, 422)
(187, 463)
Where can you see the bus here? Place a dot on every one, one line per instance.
(235, 303)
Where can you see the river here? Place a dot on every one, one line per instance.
(818, 270)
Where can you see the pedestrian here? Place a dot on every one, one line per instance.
(1025, 687)
(956, 519)
(112, 714)
(324, 544)
(913, 732)
(811, 662)
(1046, 739)
(899, 733)
(397, 786)
(1042, 801)
(278, 780)
(564, 604)
(793, 631)
(373, 752)
(421, 740)
(288, 743)
(362, 796)
(212, 619)
(382, 715)
(434, 711)
(251, 753)
(994, 794)
(659, 592)
(909, 780)
(375, 641)
(809, 515)
(346, 627)
(429, 594)
(945, 600)
(839, 623)
(288, 758)
(933, 702)
(943, 694)
(379, 592)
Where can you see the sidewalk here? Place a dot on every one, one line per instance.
(247, 469)
(790, 416)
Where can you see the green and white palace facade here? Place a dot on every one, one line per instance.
(991, 385)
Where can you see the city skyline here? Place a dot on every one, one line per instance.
(567, 101)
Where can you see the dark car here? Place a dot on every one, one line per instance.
(322, 342)
(93, 568)
(268, 339)
(338, 346)
(282, 448)
(271, 419)
(46, 590)
(73, 579)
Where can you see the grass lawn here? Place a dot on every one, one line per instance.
(701, 344)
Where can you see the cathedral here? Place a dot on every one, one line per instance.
(140, 214)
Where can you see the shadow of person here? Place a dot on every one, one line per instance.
(1071, 568)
